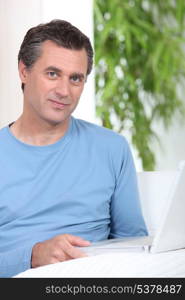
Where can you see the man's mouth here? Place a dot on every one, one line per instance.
(58, 104)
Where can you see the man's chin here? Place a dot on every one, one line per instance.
(56, 122)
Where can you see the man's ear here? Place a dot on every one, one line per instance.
(23, 71)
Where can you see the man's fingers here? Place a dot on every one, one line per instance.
(74, 252)
(69, 250)
(66, 247)
(78, 241)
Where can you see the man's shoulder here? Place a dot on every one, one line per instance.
(94, 129)
(3, 131)
(98, 131)
(4, 141)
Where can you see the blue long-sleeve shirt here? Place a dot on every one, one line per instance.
(84, 184)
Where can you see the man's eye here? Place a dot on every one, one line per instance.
(75, 78)
(52, 74)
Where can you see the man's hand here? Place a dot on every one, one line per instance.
(59, 248)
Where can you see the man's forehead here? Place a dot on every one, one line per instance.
(58, 55)
(50, 46)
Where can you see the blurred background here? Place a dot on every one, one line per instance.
(137, 86)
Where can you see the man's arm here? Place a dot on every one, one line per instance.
(15, 261)
(126, 213)
(59, 248)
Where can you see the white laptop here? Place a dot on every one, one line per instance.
(170, 234)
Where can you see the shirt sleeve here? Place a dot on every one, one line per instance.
(15, 261)
(125, 209)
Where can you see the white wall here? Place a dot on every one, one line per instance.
(172, 148)
(16, 17)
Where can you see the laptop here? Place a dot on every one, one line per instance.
(170, 234)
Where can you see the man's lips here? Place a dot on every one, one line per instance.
(58, 104)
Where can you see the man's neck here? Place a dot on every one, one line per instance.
(38, 133)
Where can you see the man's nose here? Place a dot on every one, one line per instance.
(62, 87)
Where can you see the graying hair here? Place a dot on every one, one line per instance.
(60, 32)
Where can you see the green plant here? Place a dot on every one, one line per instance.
(140, 62)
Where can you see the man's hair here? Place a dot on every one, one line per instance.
(60, 32)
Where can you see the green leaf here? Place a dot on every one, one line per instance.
(145, 40)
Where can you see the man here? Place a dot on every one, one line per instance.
(64, 182)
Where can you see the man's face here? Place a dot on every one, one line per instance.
(54, 84)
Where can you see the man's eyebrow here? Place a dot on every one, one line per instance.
(53, 68)
(57, 70)
(80, 75)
